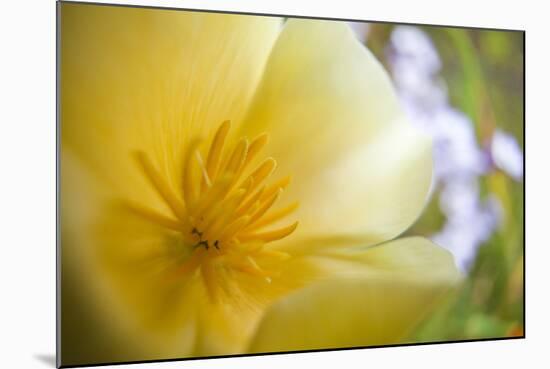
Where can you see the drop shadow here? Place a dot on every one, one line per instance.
(48, 359)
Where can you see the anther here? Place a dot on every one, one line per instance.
(201, 243)
(196, 231)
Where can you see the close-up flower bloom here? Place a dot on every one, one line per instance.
(234, 184)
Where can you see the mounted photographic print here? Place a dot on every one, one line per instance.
(240, 184)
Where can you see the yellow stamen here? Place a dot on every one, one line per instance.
(270, 235)
(237, 158)
(251, 267)
(263, 171)
(275, 254)
(274, 216)
(156, 218)
(280, 184)
(161, 186)
(189, 190)
(255, 147)
(228, 208)
(214, 195)
(265, 206)
(218, 213)
(204, 172)
(235, 227)
(216, 149)
(251, 201)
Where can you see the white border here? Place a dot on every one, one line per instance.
(27, 192)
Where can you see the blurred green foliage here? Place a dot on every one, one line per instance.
(484, 74)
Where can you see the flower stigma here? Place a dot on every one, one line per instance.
(225, 215)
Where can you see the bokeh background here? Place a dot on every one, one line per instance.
(464, 88)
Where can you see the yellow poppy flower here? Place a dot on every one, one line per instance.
(230, 184)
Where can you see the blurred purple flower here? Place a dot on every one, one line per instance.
(456, 152)
(415, 66)
(416, 50)
(458, 159)
(470, 221)
(506, 154)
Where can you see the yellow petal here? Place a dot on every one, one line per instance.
(117, 303)
(335, 125)
(122, 295)
(151, 80)
(375, 297)
(142, 80)
(122, 298)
